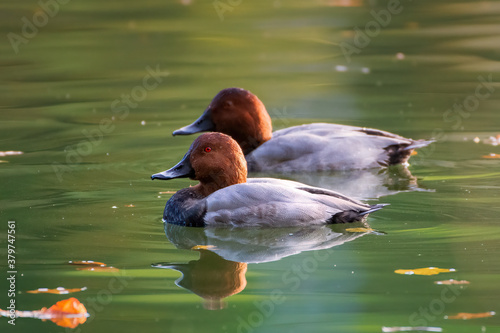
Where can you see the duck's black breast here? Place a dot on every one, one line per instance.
(187, 208)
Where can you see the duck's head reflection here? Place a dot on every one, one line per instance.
(211, 277)
(225, 253)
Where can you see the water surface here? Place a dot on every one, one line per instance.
(74, 101)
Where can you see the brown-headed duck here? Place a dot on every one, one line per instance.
(312, 147)
(224, 195)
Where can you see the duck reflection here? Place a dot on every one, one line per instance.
(225, 253)
(361, 184)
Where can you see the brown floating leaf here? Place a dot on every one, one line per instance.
(94, 266)
(66, 313)
(451, 281)
(424, 271)
(467, 316)
(167, 192)
(410, 328)
(359, 229)
(492, 155)
(58, 290)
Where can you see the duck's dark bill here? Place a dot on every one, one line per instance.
(202, 124)
(182, 169)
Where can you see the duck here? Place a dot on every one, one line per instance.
(225, 196)
(309, 147)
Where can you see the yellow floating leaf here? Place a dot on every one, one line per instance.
(66, 313)
(203, 247)
(492, 155)
(467, 316)
(359, 229)
(451, 281)
(424, 271)
(58, 290)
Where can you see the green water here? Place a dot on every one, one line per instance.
(61, 89)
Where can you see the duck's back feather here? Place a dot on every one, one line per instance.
(267, 202)
(321, 146)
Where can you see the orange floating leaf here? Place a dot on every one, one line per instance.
(492, 155)
(359, 229)
(424, 271)
(99, 269)
(413, 153)
(66, 313)
(87, 262)
(130, 206)
(94, 266)
(467, 316)
(451, 281)
(58, 290)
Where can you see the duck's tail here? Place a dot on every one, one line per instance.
(419, 144)
(400, 153)
(373, 208)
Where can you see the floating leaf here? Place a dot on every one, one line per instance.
(203, 247)
(10, 152)
(359, 229)
(130, 206)
(94, 266)
(87, 262)
(58, 290)
(409, 328)
(467, 316)
(492, 140)
(66, 313)
(492, 155)
(413, 153)
(167, 192)
(424, 271)
(451, 281)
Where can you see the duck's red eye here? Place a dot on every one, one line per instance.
(208, 149)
